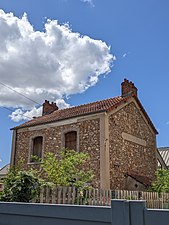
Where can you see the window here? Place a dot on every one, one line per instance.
(71, 140)
(36, 148)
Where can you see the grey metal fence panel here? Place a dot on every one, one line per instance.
(137, 212)
(45, 214)
(156, 217)
(121, 212)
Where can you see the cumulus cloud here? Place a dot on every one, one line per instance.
(49, 64)
(20, 114)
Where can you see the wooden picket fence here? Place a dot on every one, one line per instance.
(153, 199)
(71, 195)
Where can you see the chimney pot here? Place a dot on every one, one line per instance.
(128, 88)
(49, 107)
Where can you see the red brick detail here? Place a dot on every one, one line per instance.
(128, 88)
(49, 107)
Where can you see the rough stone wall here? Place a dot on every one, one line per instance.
(89, 141)
(126, 155)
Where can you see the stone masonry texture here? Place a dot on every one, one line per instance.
(128, 156)
(125, 156)
(89, 141)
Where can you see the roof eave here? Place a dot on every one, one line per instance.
(53, 121)
(145, 113)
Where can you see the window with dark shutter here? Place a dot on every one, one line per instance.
(71, 140)
(36, 148)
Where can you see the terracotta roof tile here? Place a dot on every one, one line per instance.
(81, 110)
(94, 107)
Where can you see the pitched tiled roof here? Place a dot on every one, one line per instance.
(94, 107)
(82, 110)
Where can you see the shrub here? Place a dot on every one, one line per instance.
(20, 186)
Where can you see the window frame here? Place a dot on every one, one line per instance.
(31, 148)
(64, 132)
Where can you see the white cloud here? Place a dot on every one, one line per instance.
(20, 114)
(62, 104)
(46, 65)
(0, 160)
(124, 55)
(90, 2)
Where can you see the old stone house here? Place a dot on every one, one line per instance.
(117, 133)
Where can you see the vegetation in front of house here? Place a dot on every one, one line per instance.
(66, 170)
(20, 186)
(161, 183)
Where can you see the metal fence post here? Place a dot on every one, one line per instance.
(137, 209)
(120, 212)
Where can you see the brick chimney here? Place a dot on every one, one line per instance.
(49, 107)
(128, 88)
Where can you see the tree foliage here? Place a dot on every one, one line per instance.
(68, 169)
(20, 186)
(161, 183)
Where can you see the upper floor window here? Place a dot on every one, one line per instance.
(36, 148)
(71, 140)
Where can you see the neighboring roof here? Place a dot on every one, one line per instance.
(160, 161)
(82, 110)
(4, 170)
(140, 178)
(164, 152)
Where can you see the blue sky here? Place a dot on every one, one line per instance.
(138, 35)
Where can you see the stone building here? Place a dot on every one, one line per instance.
(117, 133)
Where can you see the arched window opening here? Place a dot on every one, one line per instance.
(71, 140)
(36, 149)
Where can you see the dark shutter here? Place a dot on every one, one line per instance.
(71, 140)
(37, 147)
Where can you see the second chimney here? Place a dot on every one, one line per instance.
(128, 88)
(49, 107)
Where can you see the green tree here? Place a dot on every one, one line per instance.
(161, 183)
(68, 169)
(20, 186)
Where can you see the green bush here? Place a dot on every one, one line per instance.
(68, 169)
(20, 186)
(161, 183)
